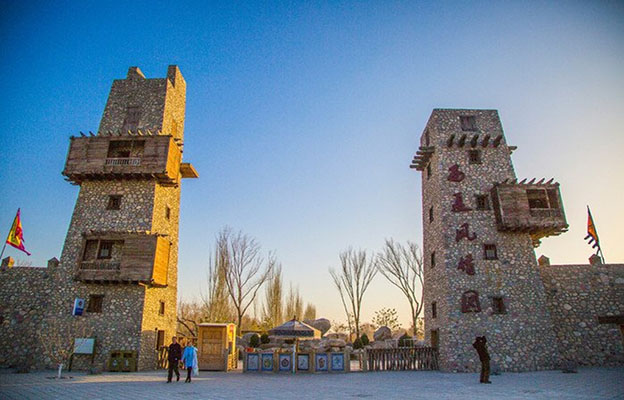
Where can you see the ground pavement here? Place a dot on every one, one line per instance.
(588, 383)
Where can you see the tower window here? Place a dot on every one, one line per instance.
(167, 212)
(428, 170)
(482, 202)
(474, 156)
(468, 123)
(114, 202)
(95, 303)
(131, 122)
(160, 339)
(489, 252)
(537, 198)
(498, 305)
(431, 214)
(161, 309)
(427, 137)
(433, 259)
(106, 250)
(434, 310)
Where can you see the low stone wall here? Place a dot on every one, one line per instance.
(24, 298)
(579, 299)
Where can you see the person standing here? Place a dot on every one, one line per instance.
(480, 344)
(175, 354)
(189, 358)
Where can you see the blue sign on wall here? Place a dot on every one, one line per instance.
(78, 306)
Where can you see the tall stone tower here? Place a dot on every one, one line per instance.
(121, 249)
(480, 226)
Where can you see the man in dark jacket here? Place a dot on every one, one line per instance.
(175, 354)
(484, 356)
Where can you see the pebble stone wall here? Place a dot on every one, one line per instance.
(577, 296)
(522, 338)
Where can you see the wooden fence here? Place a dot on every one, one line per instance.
(402, 358)
(163, 353)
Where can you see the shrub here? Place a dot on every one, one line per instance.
(364, 339)
(254, 341)
(264, 338)
(357, 343)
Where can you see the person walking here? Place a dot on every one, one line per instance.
(175, 354)
(189, 359)
(480, 344)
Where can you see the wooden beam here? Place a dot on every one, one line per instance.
(486, 141)
(462, 140)
(449, 142)
(473, 141)
(497, 140)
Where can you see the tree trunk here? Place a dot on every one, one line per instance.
(60, 369)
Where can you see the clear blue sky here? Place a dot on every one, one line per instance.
(302, 118)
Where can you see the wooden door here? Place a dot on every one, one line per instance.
(435, 339)
(211, 345)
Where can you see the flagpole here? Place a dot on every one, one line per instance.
(7, 238)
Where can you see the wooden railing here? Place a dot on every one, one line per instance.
(100, 265)
(124, 161)
(402, 358)
(545, 212)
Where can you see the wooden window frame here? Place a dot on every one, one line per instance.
(482, 202)
(161, 308)
(103, 244)
(114, 202)
(498, 305)
(468, 123)
(489, 247)
(474, 157)
(95, 303)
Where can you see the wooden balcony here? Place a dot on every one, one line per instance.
(136, 258)
(533, 208)
(104, 157)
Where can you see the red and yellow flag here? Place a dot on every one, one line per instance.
(16, 235)
(592, 235)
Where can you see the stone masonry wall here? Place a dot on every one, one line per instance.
(522, 338)
(164, 197)
(577, 296)
(25, 293)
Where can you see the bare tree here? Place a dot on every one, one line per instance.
(59, 339)
(310, 312)
(294, 304)
(356, 274)
(403, 267)
(190, 314)
(272, 313)
(245, 271)
(217, 305)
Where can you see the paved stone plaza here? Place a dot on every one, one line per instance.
(588, 383)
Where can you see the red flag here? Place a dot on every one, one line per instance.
(16, 235)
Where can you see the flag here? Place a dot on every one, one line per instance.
(16, 236)
(592, 235)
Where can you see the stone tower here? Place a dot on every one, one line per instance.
(121, 249)
(480, 227)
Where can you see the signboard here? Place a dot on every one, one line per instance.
(79, 305)
(84, 345)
